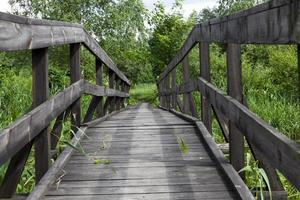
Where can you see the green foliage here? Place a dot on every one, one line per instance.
(182, 145)
(119, 26)
(258, 180)
(169, 32)
(144, 93)
(15, 94)
(269, 72)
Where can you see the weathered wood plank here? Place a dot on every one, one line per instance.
(229, 171)
(101, 91)
(149, 196)
(91, 109)
(205, 73)
(57, 128)
(24, 130)
(40, 90)
(274, 22)
(145, 182)
(235, 90)
(154, 164)
(173, 88)
(22, 33)
(281, 152)
(75, 75)
(51, 175)
(14, 172)
(139, 189)
(99, 81)
(111, 83)
(189, 106)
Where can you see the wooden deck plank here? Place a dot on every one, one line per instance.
(145, 161)
(158, 196)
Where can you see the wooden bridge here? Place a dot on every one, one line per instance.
(141, 152)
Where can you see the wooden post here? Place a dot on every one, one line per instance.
(235, 90)
(40, 89)
(188, 103)
(99, 81)
(123, 90)
(163, 88)
(298, 57)
(174, 95)
(117, 99)
(111, 77)
(75, 74)
(205, 73)
(186, 77)
(168, 97)
(158, 85)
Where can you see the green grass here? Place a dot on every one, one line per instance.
(144, 93)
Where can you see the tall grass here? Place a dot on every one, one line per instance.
(144, 93)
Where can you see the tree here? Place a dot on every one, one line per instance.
(169, 30)
(119, 25)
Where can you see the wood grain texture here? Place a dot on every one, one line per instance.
(99, 81)
(54, 172)
(101, 91)
(40, 82)
(24, 130)
(274, 22)
(204, 55)
(111, 85)
(75, 75)
(228, 170)
(173, 88)
(151, 169)
(14, 172)
(235, 90)
(20, 33)
(281, 152)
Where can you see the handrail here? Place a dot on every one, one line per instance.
(274, 22)
(21, 33)
(24, 130)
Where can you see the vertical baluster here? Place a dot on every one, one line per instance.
(40, 95)
(40, 85)
(159, 93)
(186, 77)
(188, 102)
(123, 90)
(235, 90)
(163, 89)
(298, 57)
(75, 74)
(168, 97)
(99, 81)
(118, 82)
(174, 94)
(111, 77)
(205, 73)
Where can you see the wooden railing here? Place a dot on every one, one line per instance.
(20, 33)
(275, 22)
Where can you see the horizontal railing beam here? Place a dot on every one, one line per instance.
(281, 152)
(99, 91)
(274, 22)
(21, 33)
(24, 130)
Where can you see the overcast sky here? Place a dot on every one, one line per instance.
(188, 5)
